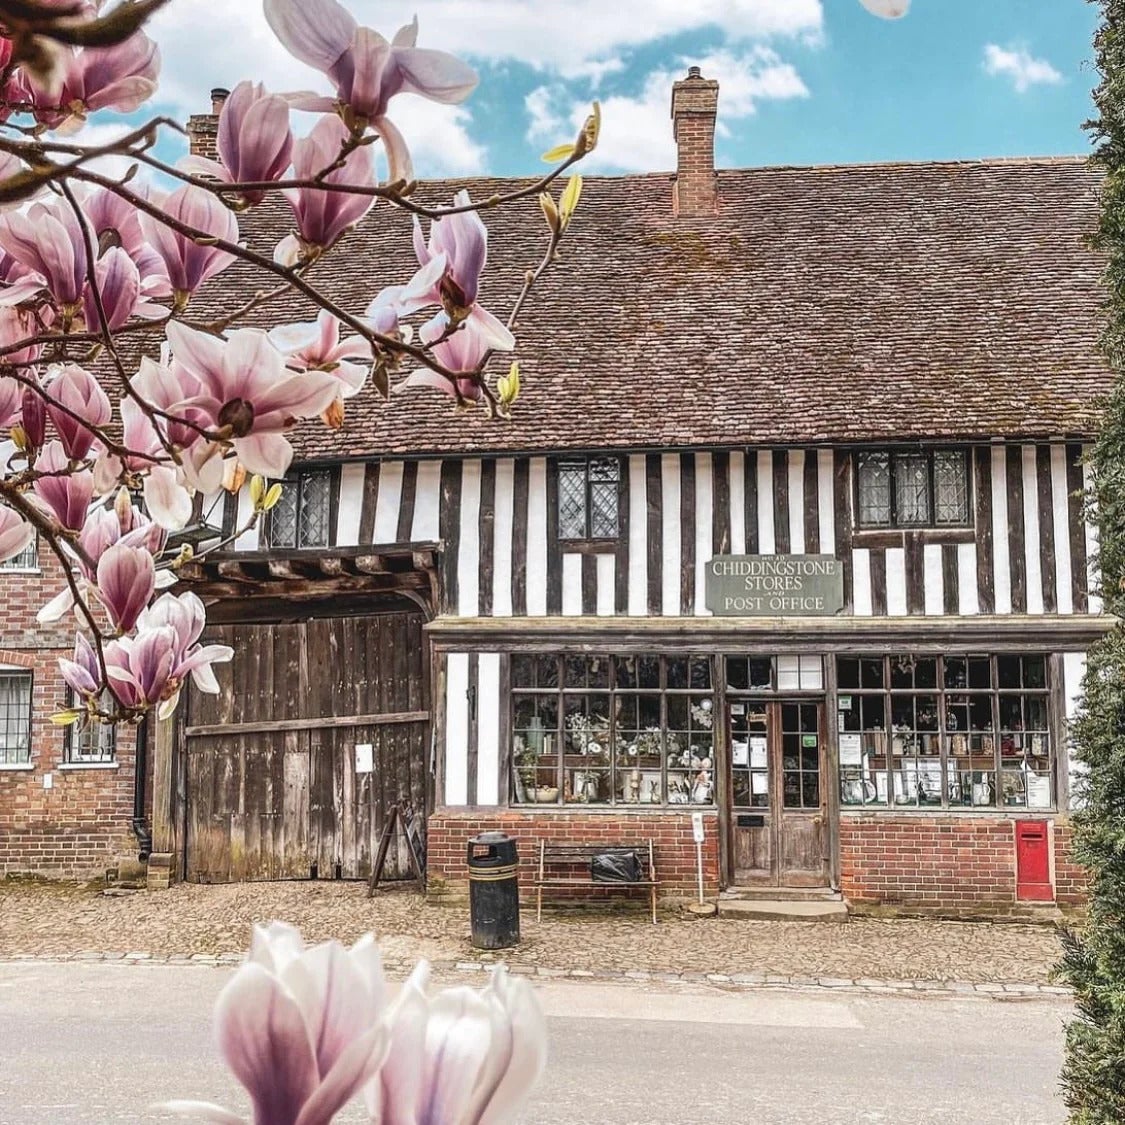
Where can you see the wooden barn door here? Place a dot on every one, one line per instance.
(275, 786)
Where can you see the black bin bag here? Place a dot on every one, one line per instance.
(615, 867)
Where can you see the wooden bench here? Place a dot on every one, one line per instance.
(554, 859)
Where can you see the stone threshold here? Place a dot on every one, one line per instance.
(987, 990)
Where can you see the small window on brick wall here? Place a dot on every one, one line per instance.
(91, 742)
(27, 559)
(15, 717)
(588, 498)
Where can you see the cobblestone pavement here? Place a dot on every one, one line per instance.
(212, 923)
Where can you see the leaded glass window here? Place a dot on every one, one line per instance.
(15, 717)
(912, 489)
(588, 498)
(303, 515)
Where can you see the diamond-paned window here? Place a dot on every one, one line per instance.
(912, 489)
(588, 498)
(303, 515)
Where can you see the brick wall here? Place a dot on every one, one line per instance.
(80, 825)
(449, 830)
(942, 863)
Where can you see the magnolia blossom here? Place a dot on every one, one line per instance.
(15, 533)
(188, 263)
(64, 492)
(323, 216)
(461, 347)
(16, 325)
(245, 389)
(366, 70)
(316, 346)
(119, 287)
(49, 241)
(888, 9)
(75, 394)
(459, 242)
(126, 583)
(82, 674)
(121, 77)
(254, 141)
(116, 223)
(299, 1028)
(33, 418)
(304, 1030)
(462, 1057)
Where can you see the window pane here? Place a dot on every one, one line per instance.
(283, 517)
(315, 509)
(91, 741)
(27, 559)
(912, 489)
(15, 717)
(951, 487)
(603, 498)
(874, 471)
(572, 500)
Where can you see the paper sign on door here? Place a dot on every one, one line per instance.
(364, 757)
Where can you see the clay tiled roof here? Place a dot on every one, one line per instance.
(861, 303)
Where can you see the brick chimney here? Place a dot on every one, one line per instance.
(203, 128)
(695, 105)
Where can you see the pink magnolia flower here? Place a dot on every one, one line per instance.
(255, 142)
(33, 418)
(49, 241)
(82, 674)
(246, 389)
(316, 346)
(323, 216)
(299, 1028)
(126, 583)
(65, 492)
(185, 614)
(16, 325)
(15, 533)
(78, 391)
(460, 242)
(188, 264)
(138, 667)
(462, 1057)
(366, 70)
(121, 77)
(116, 222)
(464, 349)
(119, 286)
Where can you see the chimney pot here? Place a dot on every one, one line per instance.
(203, 128)
(695, 107)
(218, 96)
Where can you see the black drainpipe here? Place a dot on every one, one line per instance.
(140, 762)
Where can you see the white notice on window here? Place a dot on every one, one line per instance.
(740, 753)
(851, 750)
(759, 783)
(758, 757)
(364, 757)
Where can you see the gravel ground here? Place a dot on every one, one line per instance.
(52, 919)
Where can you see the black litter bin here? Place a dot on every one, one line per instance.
(494, 894)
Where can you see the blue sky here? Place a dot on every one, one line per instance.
(802, 81)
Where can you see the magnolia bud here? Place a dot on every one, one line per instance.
(333, 417)
(234, 475)
(123, 509)
(549, 210)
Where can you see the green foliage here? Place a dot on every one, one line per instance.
(1094, 960)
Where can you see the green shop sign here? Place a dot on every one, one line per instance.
(775, 585)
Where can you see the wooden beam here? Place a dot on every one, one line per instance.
(334, 721)
(371, 564)
(229, 568)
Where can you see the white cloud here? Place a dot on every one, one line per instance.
(637, 129)
(1020, 66)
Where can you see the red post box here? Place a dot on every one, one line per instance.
(1033, 861)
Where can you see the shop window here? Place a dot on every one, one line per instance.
(588, 498)
(15, 717)
(955, 731)
(89, 742)
(612, 730)
(912, 489)
(790, 672)
(303, 515)
(27, 559)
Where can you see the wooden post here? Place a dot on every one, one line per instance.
(165, 845)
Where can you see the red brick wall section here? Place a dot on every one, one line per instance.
(79, 826)
(448, 832)
(942, 863)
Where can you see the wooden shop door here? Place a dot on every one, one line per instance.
(321, 725)
(778, 818)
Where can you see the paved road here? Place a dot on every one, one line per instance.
(101, 1043)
